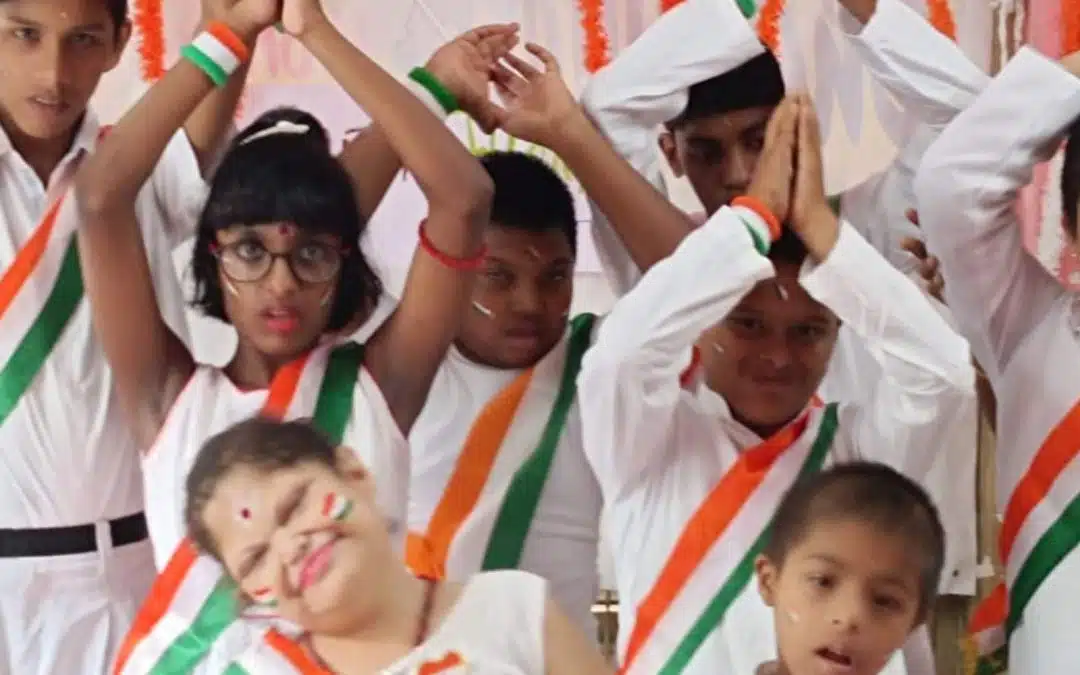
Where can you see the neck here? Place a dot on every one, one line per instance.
(252, 369)
(43, 155)
(388, 620)
(772, 668)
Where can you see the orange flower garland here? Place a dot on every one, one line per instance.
(1070, 27)
(940, 15)
(149, 20)
(665, 5)
(768, 24)
(597, 44)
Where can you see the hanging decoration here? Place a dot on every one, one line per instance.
(597, 44)
(940, 15)
(1070, 26)
(665, 5)
(768, 24)
(149, 20)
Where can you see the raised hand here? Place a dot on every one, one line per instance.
(465, 65)
(929, 267)
(811, 216)
(536, 103)
(246, 17)
(300, 16)
(774, 174)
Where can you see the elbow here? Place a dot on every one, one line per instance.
(95, 195)
(937, 190)
(471, 197)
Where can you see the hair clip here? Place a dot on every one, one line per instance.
(282, 127)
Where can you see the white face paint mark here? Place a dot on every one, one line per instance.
(781, 291)
(718, 348)
(793, 616)
(483, 310)
(326, 299)
(232, 289)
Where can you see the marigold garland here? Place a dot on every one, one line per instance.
(768, 24)
(665, 5)
(597, 44)
(1070, 27)
(149, 19)
(940, 15)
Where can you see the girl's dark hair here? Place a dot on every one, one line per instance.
(1070, 180)
(285, 178)
(259, 444)
(873, 493)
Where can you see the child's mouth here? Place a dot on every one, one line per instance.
(835, 661)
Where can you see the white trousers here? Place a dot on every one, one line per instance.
(68, 615)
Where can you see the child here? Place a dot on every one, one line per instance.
(75, 561)
(850, 568)
(276, 255)
(702, 469)
(1023, 329)
(293, 519)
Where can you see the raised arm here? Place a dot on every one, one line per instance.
(646, 86)
(149, 363)
(629, 383)
(406, 351)
(462, 67)
(967, 189)
(932, 80)
(926, 371)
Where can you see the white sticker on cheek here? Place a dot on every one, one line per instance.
(792, 616)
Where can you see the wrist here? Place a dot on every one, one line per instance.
(571, 130)
(819, 232)
(314, 29)
(247, 31)
(435, 89)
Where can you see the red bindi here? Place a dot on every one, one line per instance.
(245, 514)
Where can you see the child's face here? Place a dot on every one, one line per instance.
(845, 599)
(302, 540)
(52, 54)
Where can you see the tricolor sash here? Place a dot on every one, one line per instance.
(1030, 548)
(733, 519)
(192, 603)
(39, 293)
(491, 468)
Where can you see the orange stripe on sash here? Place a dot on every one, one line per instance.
(157, 605)
(1057, 452)
(294, 653)
(426, 554)
(27, 259)
(705, 527)
(283, 387)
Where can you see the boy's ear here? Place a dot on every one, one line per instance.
(767, 574)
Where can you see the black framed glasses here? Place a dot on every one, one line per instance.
(248, 261)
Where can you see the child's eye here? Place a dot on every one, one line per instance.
(822, 581)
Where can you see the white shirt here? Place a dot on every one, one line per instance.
(649, 84)
(1022, 324)
(66, 456)
(659, 449)
(563, 537)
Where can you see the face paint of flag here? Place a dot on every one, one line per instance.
(337, 507)
(263, 597)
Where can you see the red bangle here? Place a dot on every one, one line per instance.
(453, 262)
(763, 212)
(228, 37)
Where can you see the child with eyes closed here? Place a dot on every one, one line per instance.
(851, 569)
(294, 521)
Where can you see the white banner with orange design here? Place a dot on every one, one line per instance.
(862, 122)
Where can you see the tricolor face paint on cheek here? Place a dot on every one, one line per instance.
(337, 507)
(264, 597)
(483, 310)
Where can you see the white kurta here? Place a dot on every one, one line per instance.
(66, 456)
(648, 84)
(1022, 325)
(562, 542)
(659, 449)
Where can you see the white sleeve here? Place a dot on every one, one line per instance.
(648, 85)
(926, 370)
(179, 188)
(967, 189)
(629, 386)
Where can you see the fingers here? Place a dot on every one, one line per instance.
(809, 129)
(521, 66)
(782, 121)
(551, 64)
(915, 247)
(489, 31)
(913, 216)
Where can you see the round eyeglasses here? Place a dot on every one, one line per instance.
(312, 262)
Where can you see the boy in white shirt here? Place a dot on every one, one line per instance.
(1022, 324)
(74, 557)
(691, 478)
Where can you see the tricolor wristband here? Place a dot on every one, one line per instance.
(218, 52)
(430, 102)
(431, 84)
(756, 226)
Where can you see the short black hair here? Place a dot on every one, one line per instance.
(529, 195)
(870, 492)
(293, 178)
(118, 11)
(754, 84)
(259, 443)
(1070, 179)
(788, 248)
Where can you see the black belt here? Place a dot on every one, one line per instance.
(54, 541)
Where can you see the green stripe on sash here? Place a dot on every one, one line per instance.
(333, 408)
(34, 349)
(740, 577)
(518, 508)
(1053, 546)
